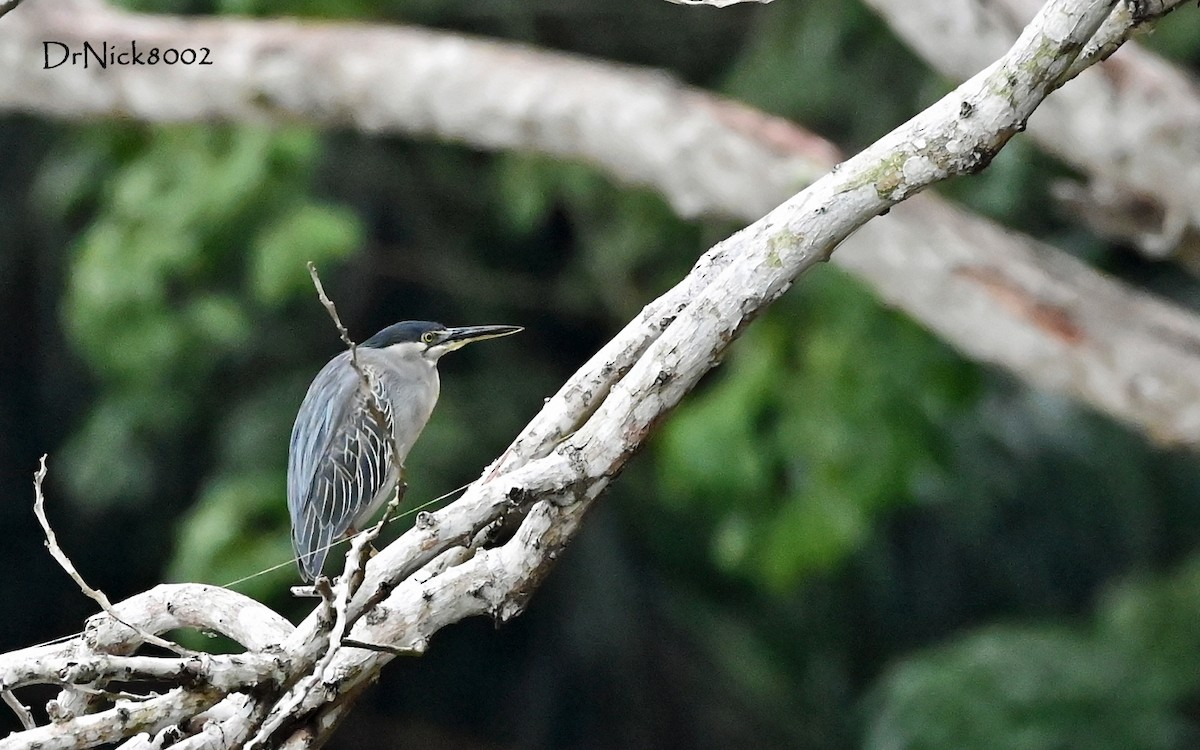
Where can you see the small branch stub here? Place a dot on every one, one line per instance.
(20, 709)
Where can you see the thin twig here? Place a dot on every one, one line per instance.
(96, 595)
(372, 405)
(19, 708)
(334, 605)
(333, 313)
(360, 544)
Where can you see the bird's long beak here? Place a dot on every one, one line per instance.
(456, 338)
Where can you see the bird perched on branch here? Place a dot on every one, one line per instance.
(349, 443)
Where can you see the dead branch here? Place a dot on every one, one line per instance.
(126, 719)
(20, 709)
(728, 287)
(706, 155)
(1131, 124)
(39, 510)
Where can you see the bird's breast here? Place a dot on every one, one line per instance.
(412, 389)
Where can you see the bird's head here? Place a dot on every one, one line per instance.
(432, 340)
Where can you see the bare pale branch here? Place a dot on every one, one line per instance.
(19, 708)
(706, 155)
(1131, 124)
(39, 510)
(586, 433)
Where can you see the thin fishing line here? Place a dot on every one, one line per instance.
(243, 579)
(53, 641)
(396, 517)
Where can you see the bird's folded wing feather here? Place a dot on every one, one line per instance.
(338, 460)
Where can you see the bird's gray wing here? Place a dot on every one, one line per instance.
(338, 459)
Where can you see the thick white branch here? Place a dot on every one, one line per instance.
(98, 654)
(705, 154)
(756, 266)
(226, 725)
(225, 672)
(407, 80)
(171, 606)
(1132, 123)
(126, 719)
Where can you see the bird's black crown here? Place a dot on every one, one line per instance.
(402, 332)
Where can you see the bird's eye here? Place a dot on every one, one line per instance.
(428, 337)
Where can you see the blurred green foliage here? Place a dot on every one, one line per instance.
(195, 230)
(806, 438)
(847, 536)
(801, 56)
(1123, 684)
(1023, 689)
